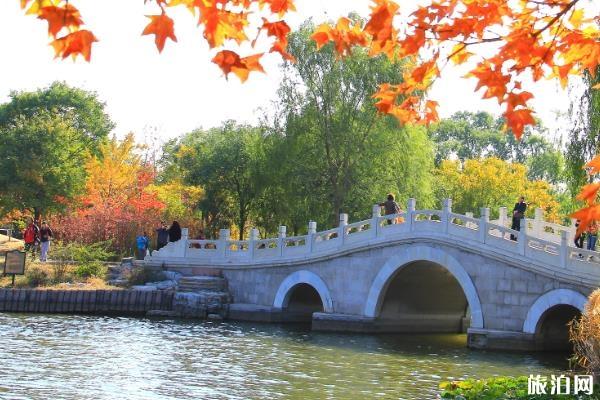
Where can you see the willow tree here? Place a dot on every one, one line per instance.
(340, 154)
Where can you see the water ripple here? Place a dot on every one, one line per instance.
(90, 357)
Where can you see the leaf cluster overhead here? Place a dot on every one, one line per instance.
(525, 39)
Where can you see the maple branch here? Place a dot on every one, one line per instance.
(556, 18)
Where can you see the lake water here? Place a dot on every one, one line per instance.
(91, 357)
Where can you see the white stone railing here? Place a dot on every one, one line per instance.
(542, 241)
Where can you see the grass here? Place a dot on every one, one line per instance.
(13, 244)
(55, 276)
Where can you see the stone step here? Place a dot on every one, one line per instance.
(202, 283)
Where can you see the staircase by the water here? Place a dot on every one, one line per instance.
(202, 297)
(202, 284)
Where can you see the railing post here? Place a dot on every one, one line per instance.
(522, 237)
(223, 242)
(484, 220)
(252, 242)
(538, 221)
(185, 235)
(446, 210)
(410, 212)
(376, 213)
(342, 227)
(312, 230)
(503, 216)
(564, 249)
(280, 241)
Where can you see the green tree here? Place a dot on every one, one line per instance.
(45, 137)
(337, 154)
(81, 108)
(583, 138)
(468, 135)
(227, 163)
(41, 165)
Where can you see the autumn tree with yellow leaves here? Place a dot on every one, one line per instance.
(492, 182)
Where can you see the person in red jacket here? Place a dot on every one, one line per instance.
(31, 236)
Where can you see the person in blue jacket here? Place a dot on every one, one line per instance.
(142, 242)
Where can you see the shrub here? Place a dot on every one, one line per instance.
(90, 269)
(502, 388)
(60, 272)
(82, 253)
(585, 335)
(36, 276)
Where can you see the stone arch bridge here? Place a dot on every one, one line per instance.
(418, 271)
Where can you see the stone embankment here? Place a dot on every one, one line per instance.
(116, 302)
(203, 297)
(173, 295)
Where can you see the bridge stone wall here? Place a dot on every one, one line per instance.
(506, 293)
(508, 284)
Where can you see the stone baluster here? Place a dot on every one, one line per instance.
(446, 210)
(564, 249)
(185, 235)
(410, 213)
(538, 223)
(223, 243)
(503, 216)
(312, 231)
(468, 224)
(484, 220)
(254, 234)
(376, 213)
(280, 239)
(522, 237)
(342, 227)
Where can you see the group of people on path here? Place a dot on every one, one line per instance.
(164, 235)
(35, 236)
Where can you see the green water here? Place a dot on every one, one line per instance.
(90, 357)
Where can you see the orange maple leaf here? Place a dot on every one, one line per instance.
(280, 30)
(586, 216)
(162, 27)
(230, 61)
(75, 43)
(60, 17)
(594, 165)
(589, 193)
(516, 120)
(281, 7)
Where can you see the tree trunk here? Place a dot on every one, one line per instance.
(242, 223)
(37, 213)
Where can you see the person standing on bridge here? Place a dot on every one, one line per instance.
(162, 236)
(592, 236)
(391, 207)
(518, 214)
(174, 232)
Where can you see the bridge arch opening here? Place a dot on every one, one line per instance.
(549, 316)
(552, 330)
(424, 297)
(300, 295)
(303, 300)
(424, 289)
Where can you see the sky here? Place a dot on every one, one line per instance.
(168, 94)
